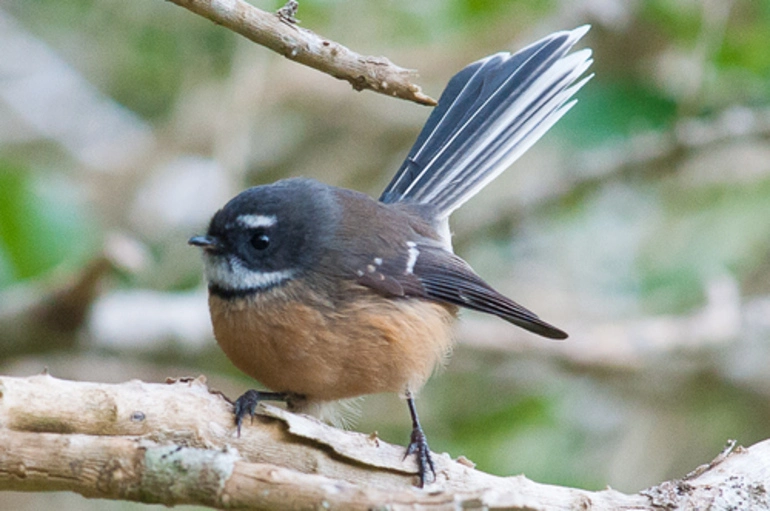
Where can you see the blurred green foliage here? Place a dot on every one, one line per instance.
(642, 240)
(140, 54)
(703, 232)
(682, 22)
(615, 110)
(38, 230)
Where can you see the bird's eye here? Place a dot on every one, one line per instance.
(260, 239)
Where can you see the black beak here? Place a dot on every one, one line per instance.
(207, 243)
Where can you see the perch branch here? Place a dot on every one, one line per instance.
(280, 33)
(175, 443)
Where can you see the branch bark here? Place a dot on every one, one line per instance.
(280, 33)
(175, 443)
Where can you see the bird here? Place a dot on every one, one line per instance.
(323, 293)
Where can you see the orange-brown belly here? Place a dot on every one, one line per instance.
(368, 345)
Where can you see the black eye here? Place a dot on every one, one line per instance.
(259, 239)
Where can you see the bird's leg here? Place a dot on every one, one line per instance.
(419, 446)
(247, 403)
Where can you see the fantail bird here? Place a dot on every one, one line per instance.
(322, 293)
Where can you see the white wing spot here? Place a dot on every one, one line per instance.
(413, 254)
(378, 261)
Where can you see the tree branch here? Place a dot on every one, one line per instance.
(175, 443)
(280, 33)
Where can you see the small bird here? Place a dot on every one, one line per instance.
(322, 293)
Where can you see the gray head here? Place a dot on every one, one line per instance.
(266, 236)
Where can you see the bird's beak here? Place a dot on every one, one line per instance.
(207, 243)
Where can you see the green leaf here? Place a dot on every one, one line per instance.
(39, 227)
(609, 111)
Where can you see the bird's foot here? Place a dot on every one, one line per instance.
(247, 404)
(419, 446)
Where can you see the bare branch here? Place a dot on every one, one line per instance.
(280, 33)
(635, 344)
(175, 444)
(48, 314)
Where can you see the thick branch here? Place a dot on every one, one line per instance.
(175, 444)
(281, 35)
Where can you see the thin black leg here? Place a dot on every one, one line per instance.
(247, 403)
(419, 446)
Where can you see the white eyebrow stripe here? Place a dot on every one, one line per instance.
(256, 221)
(414, 252)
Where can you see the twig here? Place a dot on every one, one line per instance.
(175, 444)
(649, 149)
(722, 456)
(637, 344)
(48, 314)
(306, 47)
(288, 13)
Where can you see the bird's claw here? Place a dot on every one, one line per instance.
(246, 405)
(419, 446)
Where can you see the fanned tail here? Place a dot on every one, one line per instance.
(490, 113)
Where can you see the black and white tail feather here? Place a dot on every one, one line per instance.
(490, 113)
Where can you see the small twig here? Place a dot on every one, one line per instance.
(649, 149)
(722, 456)
(288, 13)
(280, 33)
(48, 314)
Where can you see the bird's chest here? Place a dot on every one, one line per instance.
(309, 346)
(269, 337)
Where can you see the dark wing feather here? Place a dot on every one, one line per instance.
(448, 278)
(442, 276)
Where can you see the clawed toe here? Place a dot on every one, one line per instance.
(419, 446)
(247, 404)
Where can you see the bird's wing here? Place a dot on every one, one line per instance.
(432, 273)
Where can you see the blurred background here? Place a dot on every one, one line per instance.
(640, 224)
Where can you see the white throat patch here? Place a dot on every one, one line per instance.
(230, 274)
